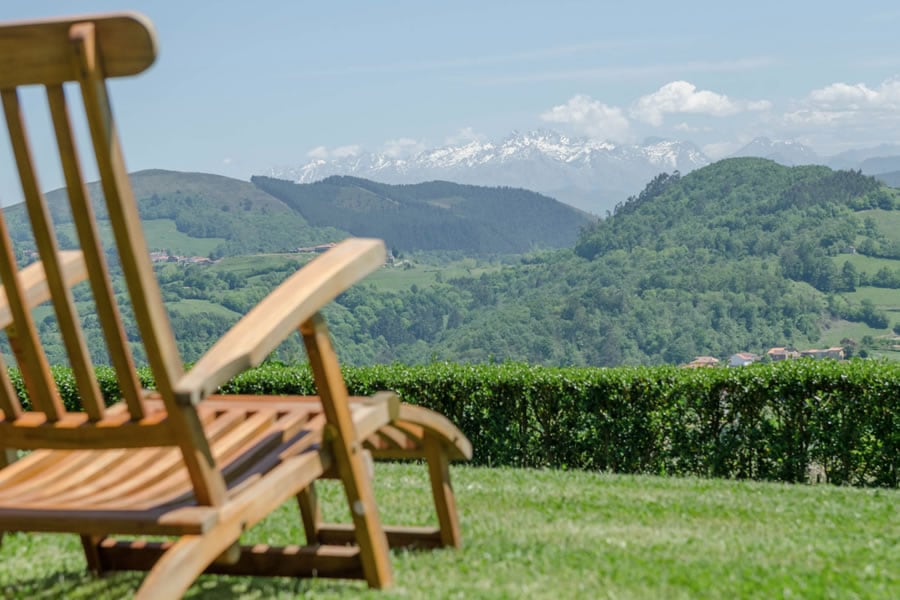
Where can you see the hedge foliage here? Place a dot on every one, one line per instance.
(761, 422)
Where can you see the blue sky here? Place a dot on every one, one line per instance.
(242, 86)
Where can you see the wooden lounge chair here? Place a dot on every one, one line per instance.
(180, 461)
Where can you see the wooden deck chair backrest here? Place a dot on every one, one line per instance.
(87, 51)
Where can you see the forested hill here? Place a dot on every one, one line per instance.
(198, 213)
(742, 255)
(750, 207)
(738, 256)
(437, 215)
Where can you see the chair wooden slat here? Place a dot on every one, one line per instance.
(22, 334)
(33, 282)
(45, 239)
(149, 310)
(147, 303)
(85, 225)
(38, 51)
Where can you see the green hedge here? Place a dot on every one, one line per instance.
(761, 422)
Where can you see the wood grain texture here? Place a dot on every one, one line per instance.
(38, 51)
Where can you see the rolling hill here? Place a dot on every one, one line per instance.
(437, 215)
(742, 255)
(203, 214)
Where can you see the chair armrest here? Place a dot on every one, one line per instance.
(33, 282)
(279, 314)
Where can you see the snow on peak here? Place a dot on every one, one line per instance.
(589, 173)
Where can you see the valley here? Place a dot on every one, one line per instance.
(739, 256)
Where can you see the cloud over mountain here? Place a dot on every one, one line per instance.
(682, 97)
(590, 117)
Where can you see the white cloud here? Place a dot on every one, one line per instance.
(464, 136)
(590, 117)
(717, 150)
(816, 118)
(679, 97)
(323, 153)
(844, 96)
(318, 153)
(402, 147)
(227, 160)
(842, 105)
(687, 128)
(346, 151)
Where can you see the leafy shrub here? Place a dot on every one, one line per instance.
(759, 422)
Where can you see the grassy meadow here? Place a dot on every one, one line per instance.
(558, 534)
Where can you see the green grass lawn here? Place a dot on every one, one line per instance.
(556, 534)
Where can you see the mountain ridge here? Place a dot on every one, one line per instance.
(592, 175)
(544, 161)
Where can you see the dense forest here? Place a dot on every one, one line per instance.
(437, 215)
(739, 256)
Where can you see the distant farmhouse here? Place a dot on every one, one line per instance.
(742, 359)
(776, 354)
(317, 249)
(702, 362)
(159, 257)
(835, 352)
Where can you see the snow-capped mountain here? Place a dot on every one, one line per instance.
(588, 174)
(785, 152)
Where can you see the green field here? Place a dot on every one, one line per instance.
(558, 534)
(405, 275)
(192, 306)
(249, 264)
(161, 234)
(883, 298)
(888, 222)
(865, 264)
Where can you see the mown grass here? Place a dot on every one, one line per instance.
(556, 534)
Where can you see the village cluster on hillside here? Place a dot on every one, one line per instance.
(159, 256)
(742, 359)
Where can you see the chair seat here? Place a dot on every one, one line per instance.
(148, 490)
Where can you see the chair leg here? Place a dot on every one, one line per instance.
(185, 560)
(442, 491)
(348, 453)
(7, 457)
(310, 513)
(90, 544)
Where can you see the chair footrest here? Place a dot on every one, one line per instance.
(398, 536)
(324, 560)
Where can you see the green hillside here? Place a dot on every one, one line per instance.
(434, 216)
(196, 214)
(739, 256)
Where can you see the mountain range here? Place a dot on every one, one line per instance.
(588, 174)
